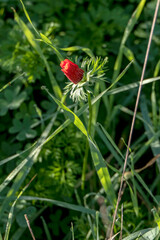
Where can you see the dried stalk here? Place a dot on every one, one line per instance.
(134, 115)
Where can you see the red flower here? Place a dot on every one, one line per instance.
(72, 71)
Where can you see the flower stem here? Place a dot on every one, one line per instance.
(87, 144)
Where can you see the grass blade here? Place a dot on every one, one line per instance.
(155, 145)
(10, 216)
(148, 234)
(62, 204)
(110, 143)
(26, 164)
(127, 32)
(146, 187)
(77, 48)
(98, 160)
(46, 229)
(9, 83)
(72, 231)
(31, 39)
(16, 155)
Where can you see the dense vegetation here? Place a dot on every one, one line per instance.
(74, 140)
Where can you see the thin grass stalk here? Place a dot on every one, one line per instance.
(120, 236)
(29, 227)
(134, 116)
(46, 229)
(72, 231)
(87, 143)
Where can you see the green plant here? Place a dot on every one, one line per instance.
(78, 167)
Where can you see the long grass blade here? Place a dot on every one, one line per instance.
(148, 234)
(31, 39)
(61, 204)
(155, 145)
(23, 168)
(48, 235)
(9, 83)
(135, 111)
(127, 32)
(10, 216)
(77, 48)
(98, 160)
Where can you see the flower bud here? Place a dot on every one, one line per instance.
(72, 71)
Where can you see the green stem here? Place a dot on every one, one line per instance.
(87, 144)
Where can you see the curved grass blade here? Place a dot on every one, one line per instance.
(110, 143)
(62, 204)
(98, 160)
(44, 38)
(49, 43)
(77, 48)
(17, 155)
(147, 234)
(46, 229)
(31, 39)
(9, 83)
(131, 23)
(155, 146)
(146, 187)
(28, 17)
(130, 56)
(25, 167)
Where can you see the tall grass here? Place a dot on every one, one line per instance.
(112, 178)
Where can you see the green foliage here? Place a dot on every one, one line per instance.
(31, 50)
(59, 165)
(11, 99)
(94, 70)
(30, 211)
(23, 128)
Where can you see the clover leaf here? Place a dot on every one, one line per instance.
(11, 99)
(49, 106)
(23, 128)
(27, 109)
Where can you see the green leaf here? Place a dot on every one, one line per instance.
(23, 128)
(12, 99)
